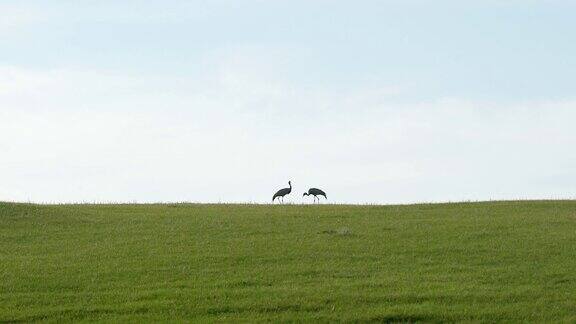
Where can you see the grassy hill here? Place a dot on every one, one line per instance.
(510, 261)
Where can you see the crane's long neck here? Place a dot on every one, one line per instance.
(290, 184)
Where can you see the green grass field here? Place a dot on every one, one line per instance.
(501, 261)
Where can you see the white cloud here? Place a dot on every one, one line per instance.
(238, 133)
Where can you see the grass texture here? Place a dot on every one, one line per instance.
(471, 262)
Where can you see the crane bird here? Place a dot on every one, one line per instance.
(315, 192)
(282, 192)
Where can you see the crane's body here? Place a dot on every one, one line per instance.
(282, 192)
(315, 192)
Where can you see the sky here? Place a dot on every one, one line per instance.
(388, 101)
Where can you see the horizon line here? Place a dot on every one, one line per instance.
(135, 203)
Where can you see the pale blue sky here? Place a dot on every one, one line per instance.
(482, 49)
(228, 100)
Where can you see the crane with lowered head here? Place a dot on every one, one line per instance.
(315, 192)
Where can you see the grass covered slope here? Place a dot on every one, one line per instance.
(456, 262)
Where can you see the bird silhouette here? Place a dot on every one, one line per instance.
(282, 192)
(315, 192)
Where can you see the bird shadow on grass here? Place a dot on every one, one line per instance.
(404, 319)
(344, 231)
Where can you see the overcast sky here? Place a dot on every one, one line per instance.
(225, 101)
